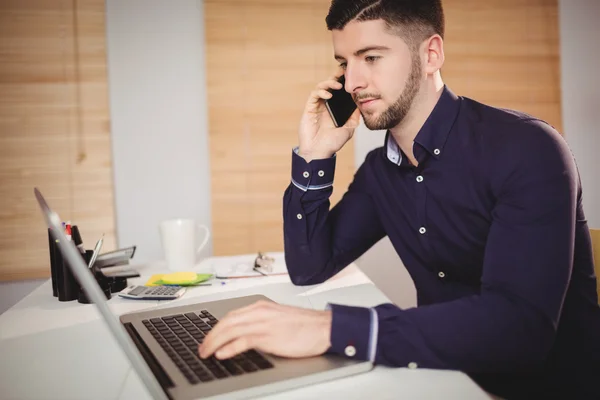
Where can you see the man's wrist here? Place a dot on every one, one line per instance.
(309, 156)
(315, 176)
(326, 329)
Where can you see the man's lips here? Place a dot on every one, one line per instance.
(366, 102)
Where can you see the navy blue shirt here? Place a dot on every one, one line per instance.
(491, 228)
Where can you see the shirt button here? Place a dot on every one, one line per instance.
(350, 351)
(436, 152)
(321, 173)
(412, 365)
(306, 174)
(422, 230)
(419, 178)
(299, 216)
(441, 274)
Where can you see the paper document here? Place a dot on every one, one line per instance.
(242, 266)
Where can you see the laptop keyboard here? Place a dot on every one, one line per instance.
(179, 335)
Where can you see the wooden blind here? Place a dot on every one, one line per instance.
(505, 53)
(54, 128)
(264, 57)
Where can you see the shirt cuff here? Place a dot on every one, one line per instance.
(354, 331)
(315, 175)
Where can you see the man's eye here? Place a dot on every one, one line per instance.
(371, 59)
(343, 65)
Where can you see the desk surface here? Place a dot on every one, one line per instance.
(53, 349)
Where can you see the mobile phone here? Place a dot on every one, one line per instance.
(341, 105)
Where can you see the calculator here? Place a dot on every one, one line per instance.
(139, 292)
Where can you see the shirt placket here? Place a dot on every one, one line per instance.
(420, 176)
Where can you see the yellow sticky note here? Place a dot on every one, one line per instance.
(179, 277)
(154, 278)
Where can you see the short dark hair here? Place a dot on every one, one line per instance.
(415, 20)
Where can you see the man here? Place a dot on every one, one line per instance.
(483, 205)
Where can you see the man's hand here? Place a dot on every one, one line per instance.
(272, 328)
(318, 136)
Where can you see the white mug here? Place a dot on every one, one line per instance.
(179, 238)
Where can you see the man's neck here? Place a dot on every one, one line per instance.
(405, 132)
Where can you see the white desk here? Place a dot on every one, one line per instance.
(63, 350)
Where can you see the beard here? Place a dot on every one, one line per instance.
(396, 113)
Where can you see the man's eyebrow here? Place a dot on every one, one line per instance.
(363, 50)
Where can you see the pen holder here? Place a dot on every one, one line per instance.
(53, 263)
(117, 284)
(64, 284)
(103, 282)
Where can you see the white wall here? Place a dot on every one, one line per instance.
(159, 126)
(579, 44)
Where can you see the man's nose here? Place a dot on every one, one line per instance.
(355, 81)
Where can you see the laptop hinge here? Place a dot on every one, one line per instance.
(155, 367)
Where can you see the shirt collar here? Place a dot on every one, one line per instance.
(393, 150)
(434, 132)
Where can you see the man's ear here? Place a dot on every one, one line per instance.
(433, 51)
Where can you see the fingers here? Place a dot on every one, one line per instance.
(225, 330)
(217, 339)
(317, 95)
(237, 346)
(329, 84)
(321, 93)
(237, 324)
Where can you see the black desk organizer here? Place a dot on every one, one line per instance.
(64, 283)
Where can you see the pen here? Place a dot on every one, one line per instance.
(77, 239)
(96, 251)
(67, 230)
(259, 271)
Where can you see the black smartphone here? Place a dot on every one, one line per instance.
(340, 105)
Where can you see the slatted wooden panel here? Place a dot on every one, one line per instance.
(54, 128)
(505, 53)
(264, 57)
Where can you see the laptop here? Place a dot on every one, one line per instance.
(162, 344)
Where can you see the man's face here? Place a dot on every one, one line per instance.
(381, 73)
